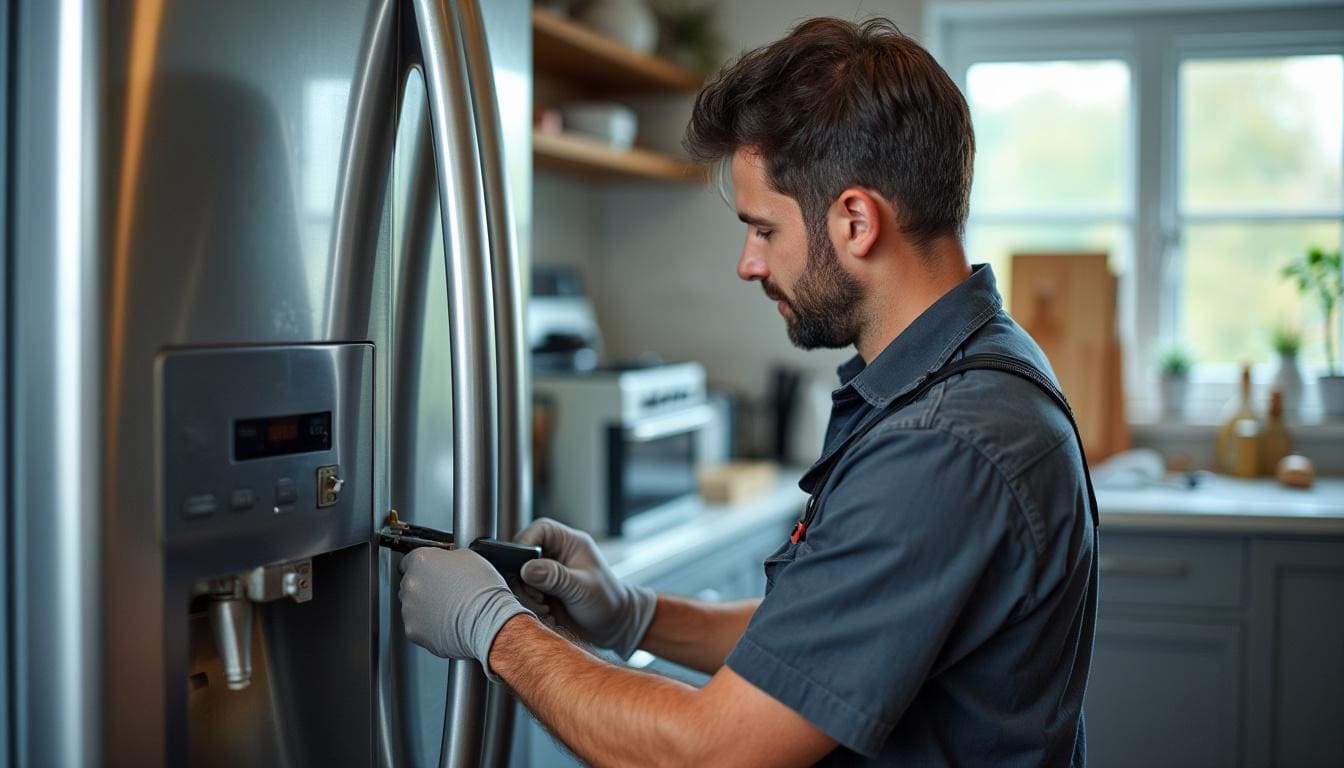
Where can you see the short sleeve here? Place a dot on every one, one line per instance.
(911, 561)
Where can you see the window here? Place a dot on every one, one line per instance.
(1258, 141)
(1053, 159)
(1200, 148)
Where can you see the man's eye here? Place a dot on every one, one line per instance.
(763, 234)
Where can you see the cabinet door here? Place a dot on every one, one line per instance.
(1165, 693)
(1296, 685)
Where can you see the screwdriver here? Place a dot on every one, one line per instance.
(507, 557)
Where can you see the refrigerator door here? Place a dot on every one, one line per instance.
(514, 495)
(176, 180)
(440, 422)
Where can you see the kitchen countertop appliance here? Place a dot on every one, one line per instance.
(623, 440)
(264, 266)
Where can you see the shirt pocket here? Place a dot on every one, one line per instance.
(781, 559)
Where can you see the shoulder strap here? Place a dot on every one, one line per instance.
(987, 361)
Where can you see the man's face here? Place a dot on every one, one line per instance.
(799, 269)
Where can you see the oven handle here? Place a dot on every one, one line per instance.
(658, 427)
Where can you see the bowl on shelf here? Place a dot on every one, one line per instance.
(629, 21)
(613, 123)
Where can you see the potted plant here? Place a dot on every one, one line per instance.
(1173, 381)
(689, 33)
(1286, 341)
(1318, 274)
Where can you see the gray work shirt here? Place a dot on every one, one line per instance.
(940, 610)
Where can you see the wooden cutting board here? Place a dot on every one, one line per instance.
(1067, 302)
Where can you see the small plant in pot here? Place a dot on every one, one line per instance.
(1286, 341)
(1173, 368)
(690, 35)
(1318, 274)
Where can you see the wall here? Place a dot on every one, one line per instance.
(660, 259)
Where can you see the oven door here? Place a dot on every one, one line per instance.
(651, 469)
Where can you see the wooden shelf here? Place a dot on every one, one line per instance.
(590, 157)
(561, 47)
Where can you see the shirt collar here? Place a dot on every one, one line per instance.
(927, 344)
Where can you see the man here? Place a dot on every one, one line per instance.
(938, 606)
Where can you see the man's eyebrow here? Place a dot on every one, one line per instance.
(753, 220)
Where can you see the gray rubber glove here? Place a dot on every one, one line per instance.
(599, 608)
(453, 603)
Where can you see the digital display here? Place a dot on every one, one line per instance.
(281, 435)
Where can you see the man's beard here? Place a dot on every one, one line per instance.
(825, 303)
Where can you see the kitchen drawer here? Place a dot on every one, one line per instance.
(1172, 570)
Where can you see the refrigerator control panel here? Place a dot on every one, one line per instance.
(267, 445)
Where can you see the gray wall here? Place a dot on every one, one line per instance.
(660, 258)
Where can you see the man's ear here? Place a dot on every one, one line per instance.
(856, 222)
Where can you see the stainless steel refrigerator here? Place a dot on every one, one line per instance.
(262, 285)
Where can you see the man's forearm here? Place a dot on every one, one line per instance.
(697, 634)
(608, 715)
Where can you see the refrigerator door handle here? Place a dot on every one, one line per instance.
(462, 206)
(515, 451)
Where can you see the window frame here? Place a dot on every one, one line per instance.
(1152, 38)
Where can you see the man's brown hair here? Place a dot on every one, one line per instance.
(837, 105)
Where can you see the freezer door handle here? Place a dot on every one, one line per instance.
(515, 434)
(462, 206)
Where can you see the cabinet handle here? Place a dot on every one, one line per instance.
(1159, 567)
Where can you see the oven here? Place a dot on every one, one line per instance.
(622, 446)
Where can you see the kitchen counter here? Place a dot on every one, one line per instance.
(1227, 505)
(1218, 505)
(709, 527)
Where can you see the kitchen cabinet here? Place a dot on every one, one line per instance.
(1218, 650)
(573, 62)
(1295, 684)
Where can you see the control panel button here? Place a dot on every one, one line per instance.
(242, 499)
(200, 505)
(329, 485)
(284, 491)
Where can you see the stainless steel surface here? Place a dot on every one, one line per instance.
(326, 636)
(57, 401)
(361, 187)
(6, 265)
(199, 248)
(421, 415)
(515, 393)
(200, 405)
(207, 175)
(280, 580)
(231, 626)
(475, 415)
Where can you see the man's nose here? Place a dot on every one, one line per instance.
(750, 266)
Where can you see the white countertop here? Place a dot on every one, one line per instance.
(707, 527)
(1227, 505)
(1217, 505)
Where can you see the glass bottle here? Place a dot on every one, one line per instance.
(1225, 444)
(1275, 440)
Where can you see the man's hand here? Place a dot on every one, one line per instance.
(600, 608)
(454, 602)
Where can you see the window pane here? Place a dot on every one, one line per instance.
(1234, 296)
(1261, 133)
(996, 243)
(1051, 136)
